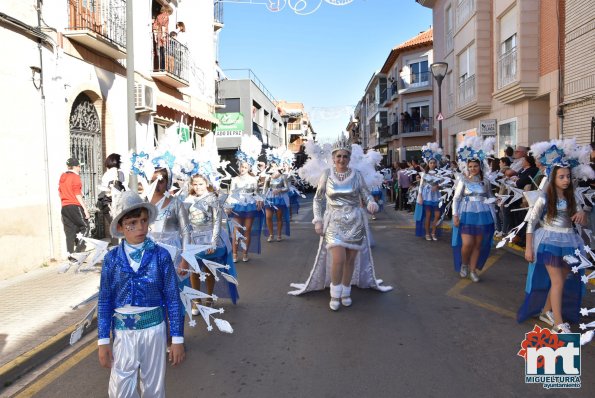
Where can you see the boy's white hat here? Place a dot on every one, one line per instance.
(124, 203)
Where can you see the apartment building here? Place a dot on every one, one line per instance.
(297, 123)
(248, 108)
(69, 98)
(504, 62)
(579, 76)
(407, 98)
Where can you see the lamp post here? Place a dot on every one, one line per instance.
(439, 70)
(285, 118)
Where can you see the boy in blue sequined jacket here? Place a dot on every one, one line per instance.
(138, 289)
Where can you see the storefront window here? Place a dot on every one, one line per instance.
(507, 136)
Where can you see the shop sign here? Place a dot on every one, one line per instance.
(231, 124)
(487, 127)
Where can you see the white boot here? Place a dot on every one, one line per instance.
(346, 296)
(335, 302)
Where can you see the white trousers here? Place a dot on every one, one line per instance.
(139, 350)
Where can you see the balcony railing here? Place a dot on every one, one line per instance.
(420, 79)
(394, 128)
(464, 10)
(106, 19)
(416, 126)
(449, 45)
(294, 127)
(170, 62)
(507, 68)
(218, 5)
(467, 90)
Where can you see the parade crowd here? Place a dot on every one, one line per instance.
(176, 242)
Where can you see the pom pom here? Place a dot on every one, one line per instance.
(223, 325)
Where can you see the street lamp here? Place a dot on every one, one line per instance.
(439, 70)
(285, 120)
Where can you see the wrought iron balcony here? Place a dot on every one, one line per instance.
(170, 62)
(99, 25)
(417, 127)
(467, 91)
(507, 68)
(394, 129)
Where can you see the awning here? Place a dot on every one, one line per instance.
(179, 105)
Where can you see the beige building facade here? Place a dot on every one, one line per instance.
(579, 75)
(504, 62)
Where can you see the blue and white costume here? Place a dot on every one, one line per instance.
(134, 299)
(294, 195)
(552, 240)
(243, 197)
(205, 215)
(476, 217)
(429, 195)
(276, 197)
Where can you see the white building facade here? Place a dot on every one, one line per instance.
(64, 85)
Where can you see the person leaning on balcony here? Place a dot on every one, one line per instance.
(161, 33)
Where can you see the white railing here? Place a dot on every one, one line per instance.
(449, 45)
(467, 90)
(507, 68)
(106, 18)
(465, 9)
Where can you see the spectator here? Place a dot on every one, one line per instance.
(407, 123)
(74, 211)
(404, 182)
(112, 178)
(415, 119)
(425, 124)
(525, 182)
(518, 159)
(161, 34)
(508, 152)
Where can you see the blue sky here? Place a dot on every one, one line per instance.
(324, 59)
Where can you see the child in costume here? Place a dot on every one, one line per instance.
(473, 211)
(244, 203)
(138, 286)
(427, 210)
(205, 214)
(551, 236)
(276, 190)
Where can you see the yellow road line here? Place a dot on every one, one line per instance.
(64, 367)
(456, 290)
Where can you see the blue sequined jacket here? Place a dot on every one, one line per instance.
(155, 284)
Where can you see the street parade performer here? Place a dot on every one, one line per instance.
(205, 213)
(138, 287)
(473, 210)
(342, 225)
(244, 203)
(427, 209)
(551, 236)
(276, 188)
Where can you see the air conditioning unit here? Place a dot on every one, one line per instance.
(144, 99)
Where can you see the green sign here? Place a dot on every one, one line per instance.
(183, 132)
(230, 124)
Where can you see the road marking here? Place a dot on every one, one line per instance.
(456, 290)
(52, 375)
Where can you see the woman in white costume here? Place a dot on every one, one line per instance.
(342, 226)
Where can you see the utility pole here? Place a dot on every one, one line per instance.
(131, 112)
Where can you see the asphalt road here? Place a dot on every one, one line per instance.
(433, 336)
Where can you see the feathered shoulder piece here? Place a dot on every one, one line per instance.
(319, 160)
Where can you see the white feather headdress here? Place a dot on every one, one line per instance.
(431, 151)
(475, 148)
(249, 151)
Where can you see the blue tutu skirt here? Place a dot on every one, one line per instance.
(248, 211)
(550, 248)
(420, 216)
(476, 218)
(223, 288)
(274, 203)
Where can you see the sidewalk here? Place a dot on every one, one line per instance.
(37, 316)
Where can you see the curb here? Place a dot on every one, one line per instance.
(24, 363)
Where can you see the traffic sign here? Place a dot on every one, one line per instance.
(439, 117)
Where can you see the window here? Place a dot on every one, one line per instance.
(420, 117)
(419, 73)
(507, 135)
(508, 44)
(448, 34)
(466, 61)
